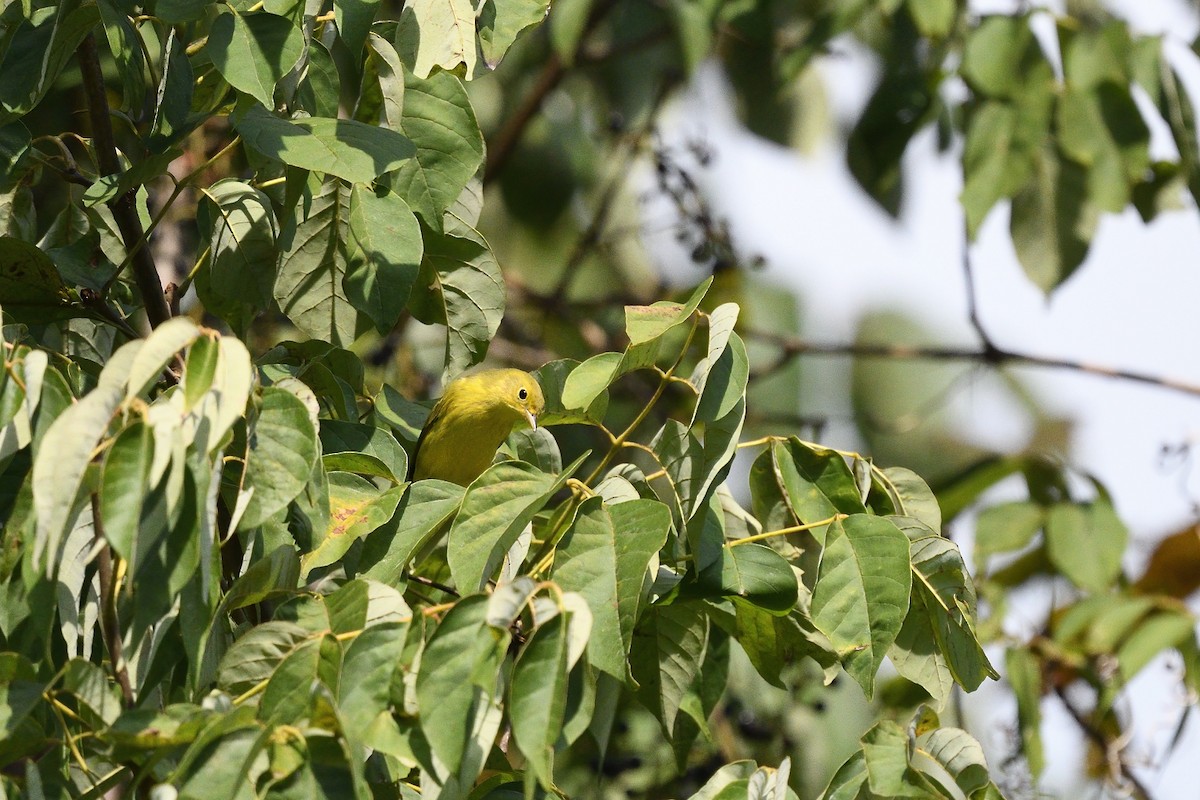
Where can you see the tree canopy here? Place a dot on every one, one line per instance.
(219, 580)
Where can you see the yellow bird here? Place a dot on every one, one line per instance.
(473, 417)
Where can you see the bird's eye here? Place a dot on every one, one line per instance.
(522, 394)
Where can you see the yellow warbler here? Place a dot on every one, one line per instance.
(474, 417)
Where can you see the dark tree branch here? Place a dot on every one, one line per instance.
(124, 208)
(110, 628)
(792, 346)
(502, 145)
(992, 353)
(1097, 737)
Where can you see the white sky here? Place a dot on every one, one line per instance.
(1133, 304)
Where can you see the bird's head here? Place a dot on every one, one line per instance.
(520, 392)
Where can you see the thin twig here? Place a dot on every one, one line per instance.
(792, 346)
(1097, 737)
(124, 208)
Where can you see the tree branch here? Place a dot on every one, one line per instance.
(501, 147)
(1097, 737)
(124, 208)
(110, 628)
(792, 346)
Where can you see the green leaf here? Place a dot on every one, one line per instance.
(1025, 677)
(913, 497)
(1052, 222)
(538, 696)
(460, 286)
(277, 572)
(354, 18)
(173, 102)
(37, 56)
(553, 377)
(1093, 528)
(439, 119)
(345, 148)
(376, 444)
(999, 55)
(127, 53)
(495, 509)
(61, 460)
(387, 256)
(849, 782)
(957, 753)
(861, 594)
(254, 51)
(934, 18)
(754, 573)
(1102, 130)
(948, 599)
(313, 263)
(356, 509)
(774, 643)
(885, 756)
(289, 695)
(30, 286)
(437, 33)
(280, 458)
(158, 351)
(646, 323)
(588, 381)
(668, 648)
(458, 672)
(420, 514)
(124, 484)
(238, 281)
(1006, 527)
(367, 669)
(604, 557)
(255, 654)
(567, 25)
(812, 482)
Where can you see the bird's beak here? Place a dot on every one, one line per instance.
(529, 415)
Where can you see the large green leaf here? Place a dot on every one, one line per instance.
(421, 513)
(254, 51)
(861, 594)
(437, 33)
(460, 286)
(281, 455)
(496, 508)
(367, 669)
(440, 121)
(538, 696)
(668, 648)
(754, 573)
(1052, 220)
(458, 673)
(61, 460)
(386, 258)
(238, 281)
(313, 263)
(1094, 529)
(38, 54)
(346, 148)
(604, 557)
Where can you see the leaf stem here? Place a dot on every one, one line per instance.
(619, 442)
(758, 537)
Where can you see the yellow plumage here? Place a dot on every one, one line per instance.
(473, 417)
